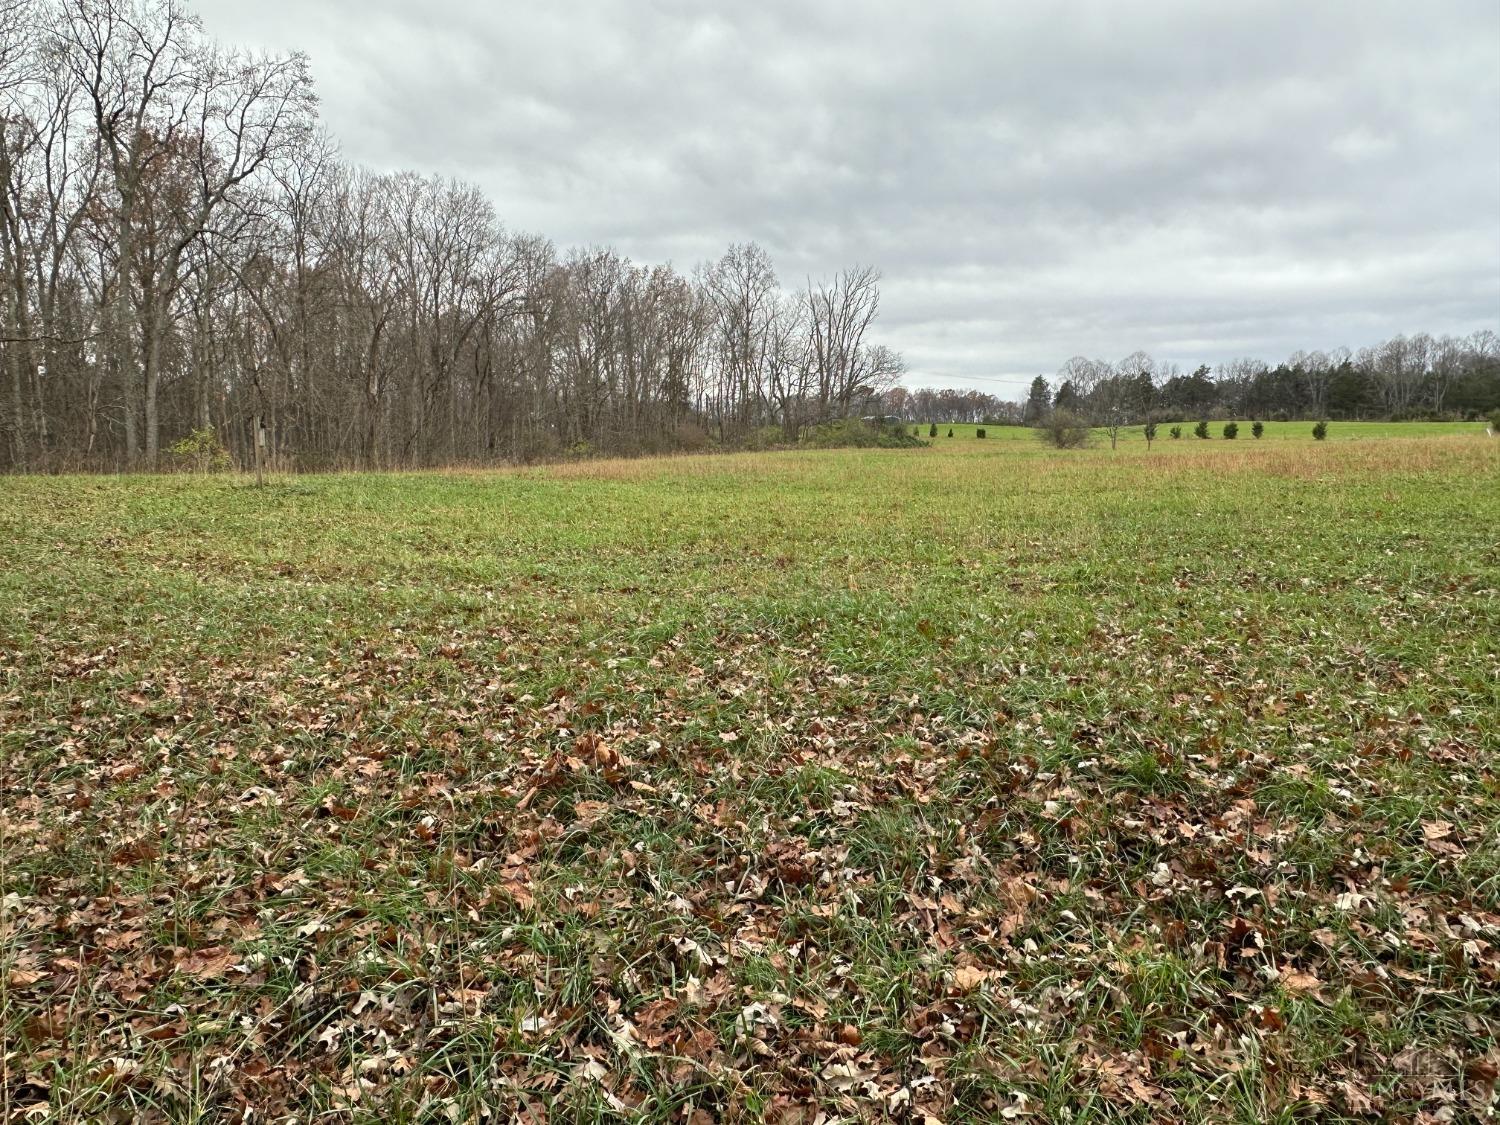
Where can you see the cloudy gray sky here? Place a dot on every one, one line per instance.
(1202, 180)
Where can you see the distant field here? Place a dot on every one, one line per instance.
(1275, 431)
(971, 782)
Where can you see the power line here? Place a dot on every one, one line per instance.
(1017, 379)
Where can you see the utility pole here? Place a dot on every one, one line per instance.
(260, 451)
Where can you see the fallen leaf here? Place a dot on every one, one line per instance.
(969, 977)
(214, 961)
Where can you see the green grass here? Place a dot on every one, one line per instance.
(969, 780)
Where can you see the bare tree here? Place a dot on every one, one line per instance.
(845, 368)
(743, 288)
(183, 126)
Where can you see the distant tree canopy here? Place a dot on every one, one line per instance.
(1403, 378)
(948, 405)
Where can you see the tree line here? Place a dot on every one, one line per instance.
(1403, 378)
(183, 251)
(948, 405)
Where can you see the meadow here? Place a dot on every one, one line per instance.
(973, 782)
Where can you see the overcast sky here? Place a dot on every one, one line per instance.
(1199, 179)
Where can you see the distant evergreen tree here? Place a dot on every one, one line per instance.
(1353, 393)
(1189, 394)
(1038, 402)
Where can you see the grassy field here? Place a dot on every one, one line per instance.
(972, 782)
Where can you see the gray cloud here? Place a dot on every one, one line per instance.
(1199, 180)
